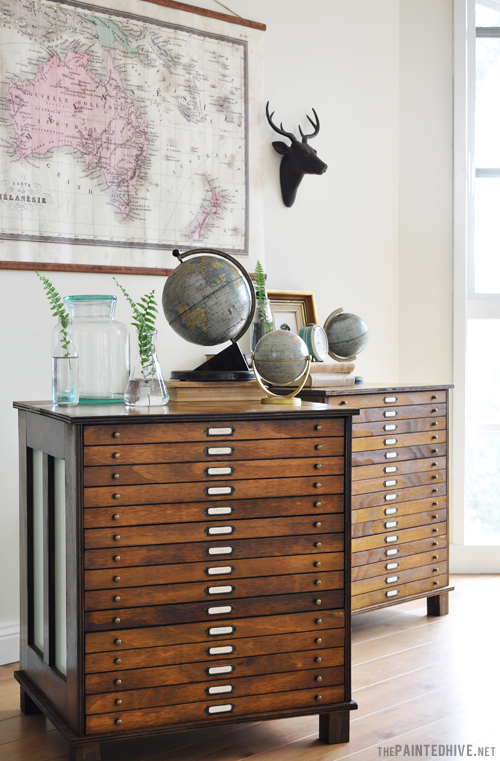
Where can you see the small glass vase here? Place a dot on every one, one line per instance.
(263, 322)
(65, 361)
(146, 386)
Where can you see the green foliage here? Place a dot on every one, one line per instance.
(261, 296)
(144, 319)
(58, 310)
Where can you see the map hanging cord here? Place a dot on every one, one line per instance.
(228, 9)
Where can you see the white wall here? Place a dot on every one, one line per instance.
(341, 238)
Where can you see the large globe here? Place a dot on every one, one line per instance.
(281, 357)
(347, 335)
(208, 299)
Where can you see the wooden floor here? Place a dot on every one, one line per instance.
(417, 680)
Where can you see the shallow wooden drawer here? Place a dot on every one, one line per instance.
(161, 615)
(397, 481)
(213, 570)
(388, 470)
(134, 454)
(394, 579)
(391, 441)
(390, 565)
(212, 590)
(212, 653)
(192, 512)
(391, 512)
(102, 496)
(224, 430)
(222, 689)
(412, 546)
(395, 413)
(389, 456)
(134, 679)
(397, 427)
(210, 711)
(393, 539)
(399, 592)
(397, 523)
(173, 533)
(117, 475)
(395, 496)
(118, 557)
(178, 634)
(388, 400)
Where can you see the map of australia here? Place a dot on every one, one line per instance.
(120, 129)
(66, 105)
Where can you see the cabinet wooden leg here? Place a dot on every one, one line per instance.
(86, 752)
(334, 727)
(28, 706)
(438, 605)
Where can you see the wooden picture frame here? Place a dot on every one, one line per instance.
(293, 308)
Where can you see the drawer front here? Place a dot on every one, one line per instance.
(397, 427)
(391, 512)
(178, 634)
(202, 712)
(173, 533)
(222, 689)
(397, 481)
(211, 590)
(148, 555)
(392, 470)
(390, 565)
(158, 433)
(391, 455)
(394, 579)
(396, 523)
(389, 399)
(391, 540)
(191, 512)
(207, 452)
(161, 615)
(391, 441)
(399, 592)
(393, 496)
(213, 571)
(118, 475)
(212, 653)
(134, 679)
(390, 413)
(103, 496)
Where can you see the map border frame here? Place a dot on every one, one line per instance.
(68, 245)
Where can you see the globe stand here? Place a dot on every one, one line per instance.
(292, 398)
(228, 365)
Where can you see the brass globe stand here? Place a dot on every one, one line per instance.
(292, 398)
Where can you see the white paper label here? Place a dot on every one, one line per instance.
(392, 593)
(214, 631)
(220, 510)
(390, 497)
(214, 530)
(219, 450)
(391, 566)
(220, 689)
(220, 431)
(390, 413)
(220, 590)
(390, 510)
(390, 482)
(221, 650)
(392, 538)
(391, 469)
(393, 551)
(220, 670)
(390, 455)
(390, 427)
(390, 442)
(390, 399)
(220, 610)
(219, 569)
(220, 550)
(391, 524)
(212, 490)
(391, 579)
(219, 471)
(220, 709)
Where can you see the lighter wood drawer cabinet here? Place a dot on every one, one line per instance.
(399, 493)
(188, 568)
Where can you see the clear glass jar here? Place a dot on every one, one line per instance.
(146, 386)
(263, 321)
(103, 348)
(64, 368)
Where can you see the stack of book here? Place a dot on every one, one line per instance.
(329, 375)
(220, 391)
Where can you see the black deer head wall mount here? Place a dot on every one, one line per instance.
(298, 158)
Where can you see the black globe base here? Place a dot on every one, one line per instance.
(228, 365)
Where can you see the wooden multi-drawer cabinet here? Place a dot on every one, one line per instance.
(184, 567)
(399, 493)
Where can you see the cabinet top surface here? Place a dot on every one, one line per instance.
(367, 388)
(175, 411)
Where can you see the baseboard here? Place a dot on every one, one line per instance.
(9, 643)
(474, 559)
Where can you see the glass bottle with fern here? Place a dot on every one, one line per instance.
(65, 358)
(146, 386)
(263, 320)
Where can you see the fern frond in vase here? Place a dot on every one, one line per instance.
(58, 310)
(264, 319)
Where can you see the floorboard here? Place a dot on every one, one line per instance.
(418, 680)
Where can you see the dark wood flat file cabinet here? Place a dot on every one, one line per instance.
(184, 568)
(399, 493)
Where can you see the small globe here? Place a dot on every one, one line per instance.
(281, 357)
(347, 335)
(208, 299)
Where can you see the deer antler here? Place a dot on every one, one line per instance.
(305, 138)
(280, 129)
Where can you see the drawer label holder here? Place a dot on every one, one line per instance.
(218, 491)
(218, 451)
(227, 708)
(228, 431)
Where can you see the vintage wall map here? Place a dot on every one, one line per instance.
(121, 130)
